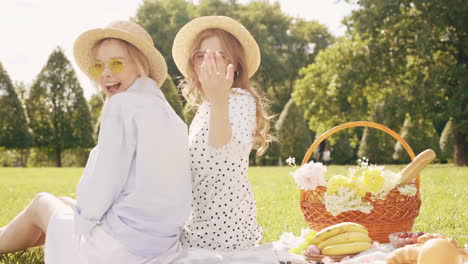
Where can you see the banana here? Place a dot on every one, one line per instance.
(344, 238)
(348, 248)
(334, 230)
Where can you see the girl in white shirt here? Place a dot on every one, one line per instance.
(217, 56)
(135, 192)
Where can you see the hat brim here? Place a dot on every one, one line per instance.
(181, 52)
(87, 40)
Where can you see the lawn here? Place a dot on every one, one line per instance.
(444, 208)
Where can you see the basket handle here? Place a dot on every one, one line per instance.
(359, 124)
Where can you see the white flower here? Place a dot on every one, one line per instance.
(408, 190)
(309, 176)
(345, 200)
(391, 181)
(291, 161)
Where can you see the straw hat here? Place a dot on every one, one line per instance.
(181, 52)
(124, 30)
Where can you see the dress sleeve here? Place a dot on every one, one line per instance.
(102, 183)
(242, 116)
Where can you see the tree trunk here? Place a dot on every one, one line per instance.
(460, 154)
(24, 156)
(58, 153)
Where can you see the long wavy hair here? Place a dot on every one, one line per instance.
(194, 94)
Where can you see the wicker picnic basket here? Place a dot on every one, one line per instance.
(394, 214)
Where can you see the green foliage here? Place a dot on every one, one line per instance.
(189, 114)
(163, 19)
(420, 134)
(95, 105)
(333, 90)
(13, 123)
(294, 136)
(421, 47)
(14, 157)
(342, 147)
(58, 112)
(173, 97)
(376, 145)
(287, 44)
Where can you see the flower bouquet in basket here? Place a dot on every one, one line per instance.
(353, 191)
(379, 199)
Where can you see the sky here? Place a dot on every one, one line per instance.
(32, 29)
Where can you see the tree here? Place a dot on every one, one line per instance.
(95, 105)
(422, 47)
(377, 145)
(420, 134)
(163, 19)
(343, 147)
(287, 44)
(173, 97)
(446, 142)
(334, 89)
(59, 116)
(13, 122)
(294, 136)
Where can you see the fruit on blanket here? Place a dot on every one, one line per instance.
(334, 230)
(348, 248)
(313, 250)
(438, 250)
(401, 239)
(344, 238)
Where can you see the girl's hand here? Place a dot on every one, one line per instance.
(216, 79)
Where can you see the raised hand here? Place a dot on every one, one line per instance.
(215, 77)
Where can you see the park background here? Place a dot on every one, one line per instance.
(399, 63)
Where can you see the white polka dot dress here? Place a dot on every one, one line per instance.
(223, 205)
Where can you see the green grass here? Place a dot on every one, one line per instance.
(444, 195)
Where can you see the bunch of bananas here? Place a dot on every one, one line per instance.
(342, 239)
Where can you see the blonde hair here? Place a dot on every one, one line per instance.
(135, 54)
(193, 92)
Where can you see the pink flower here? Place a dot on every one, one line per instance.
(310, 175)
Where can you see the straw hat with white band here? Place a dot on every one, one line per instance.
(129, 32)
(181, 52)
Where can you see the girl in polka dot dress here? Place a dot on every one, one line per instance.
(217, 56)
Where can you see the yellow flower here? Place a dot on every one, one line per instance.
(336, 182)
(372, 180)
(357, 186)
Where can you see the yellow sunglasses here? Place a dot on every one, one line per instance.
(116, 66)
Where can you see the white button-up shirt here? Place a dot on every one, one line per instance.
(137, 182)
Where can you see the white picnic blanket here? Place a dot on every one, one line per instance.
(276, 253)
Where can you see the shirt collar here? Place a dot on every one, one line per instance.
(146, 84)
